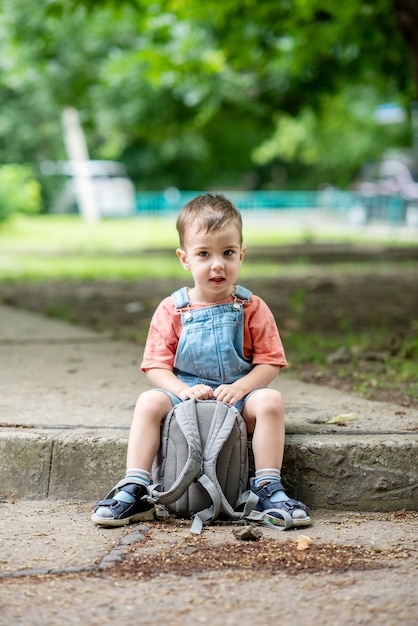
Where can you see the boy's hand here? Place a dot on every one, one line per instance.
(198, 392)
(229, 393)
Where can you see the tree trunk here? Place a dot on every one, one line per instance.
(407, 15)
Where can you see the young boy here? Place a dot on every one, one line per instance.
(214, 340)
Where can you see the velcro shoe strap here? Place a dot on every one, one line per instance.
(269, 489)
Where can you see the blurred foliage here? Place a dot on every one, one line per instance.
(20, 192)
(197, 95)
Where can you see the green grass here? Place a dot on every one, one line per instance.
(63, 234)
(65, 247)
(85, 267)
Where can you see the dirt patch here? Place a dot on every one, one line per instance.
(264, 557)
(338, 543)
(174, 550)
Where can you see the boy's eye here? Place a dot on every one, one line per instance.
(228, 252)
(203, 253)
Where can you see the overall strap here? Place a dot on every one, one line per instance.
(181, 298)
(242, 293)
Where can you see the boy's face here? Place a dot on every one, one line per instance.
(214, 260)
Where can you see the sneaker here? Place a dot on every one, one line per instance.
(114, 512)
(292, 512)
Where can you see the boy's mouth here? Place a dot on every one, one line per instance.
(217, 279)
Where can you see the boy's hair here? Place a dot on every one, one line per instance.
(208, 213)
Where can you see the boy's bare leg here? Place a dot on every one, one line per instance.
(263, 413)
(145, 433)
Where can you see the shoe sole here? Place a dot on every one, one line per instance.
(306, 521)
(296, 523)
(145, 516)
(284, 523)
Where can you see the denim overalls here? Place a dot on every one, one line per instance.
(211, 344)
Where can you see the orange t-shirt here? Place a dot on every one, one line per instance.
(262, 343)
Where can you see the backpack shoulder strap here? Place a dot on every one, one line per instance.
(185, 414)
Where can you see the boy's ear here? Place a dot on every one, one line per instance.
(182, 258)
(243, 250)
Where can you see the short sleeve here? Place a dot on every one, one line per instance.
(262, 342)
(163, 336)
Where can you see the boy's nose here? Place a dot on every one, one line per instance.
(217, 262)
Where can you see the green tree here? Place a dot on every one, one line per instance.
(206, 94)
(323, 68)
(407, 17)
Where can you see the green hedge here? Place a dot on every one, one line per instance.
(20, 192)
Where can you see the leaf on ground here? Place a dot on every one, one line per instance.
(342, 417)
(304, 542)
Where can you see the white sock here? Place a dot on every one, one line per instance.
(266, 476)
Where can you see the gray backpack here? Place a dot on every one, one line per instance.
(201, 469)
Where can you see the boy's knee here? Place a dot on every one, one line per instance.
(270, 397)
(265, 401)
(153, 400)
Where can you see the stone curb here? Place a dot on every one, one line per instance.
(335, 472)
